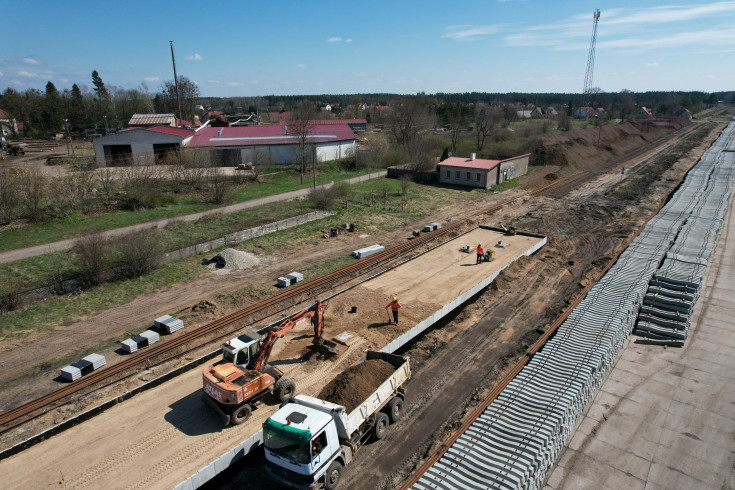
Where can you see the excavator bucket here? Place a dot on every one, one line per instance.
(327, 345)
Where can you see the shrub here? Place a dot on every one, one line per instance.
(92, 253)
(138, 252)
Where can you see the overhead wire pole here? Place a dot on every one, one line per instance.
(590, 61)
(176, 84)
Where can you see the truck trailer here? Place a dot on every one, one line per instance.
(309, 440)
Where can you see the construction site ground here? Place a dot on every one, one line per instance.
(474, 346)
(167, 433)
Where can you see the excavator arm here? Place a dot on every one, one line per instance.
(314, 313)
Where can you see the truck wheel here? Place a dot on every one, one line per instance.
(284, 388)
(241, 414)
(381, 425)
(332, 476)
(395, 409)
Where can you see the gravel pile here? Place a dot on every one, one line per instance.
(235, 260)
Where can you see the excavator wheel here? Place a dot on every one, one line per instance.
(241, 414)
(284, 388)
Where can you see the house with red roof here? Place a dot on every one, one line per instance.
(481, 172)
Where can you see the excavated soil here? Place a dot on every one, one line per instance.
(353, 386)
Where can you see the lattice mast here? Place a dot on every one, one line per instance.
(590, 61)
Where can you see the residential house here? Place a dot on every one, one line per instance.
(643, 112)
(586, 113)
(480, 172)
(684, 112)
(8, 124)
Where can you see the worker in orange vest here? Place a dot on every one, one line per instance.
(394, 306)
(480, 252)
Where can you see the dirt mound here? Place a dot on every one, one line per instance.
(205, 306)
(356, 383)
(230, 259)
(586, 149)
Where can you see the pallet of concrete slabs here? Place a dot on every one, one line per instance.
(368, 251)
(83, 366)
(168, 324)
(129, 345)
(289, 279)
(432, 227)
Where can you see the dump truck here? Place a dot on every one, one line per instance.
(309, 440)
(233, 385)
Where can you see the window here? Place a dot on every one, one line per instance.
(468, 176)
(479, 176)
(449, 173)
(456, 175)
(319, 443)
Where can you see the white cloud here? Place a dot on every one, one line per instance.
(17, 82)
(31, 61)
(300, 66)
(195, 57)
(151, 79)
(235, 84)
(65, 80)
(469, 32)
(212, 81)
(24, 73)
(651, 65)
(334, 39)
(1, 73)
(348, 40)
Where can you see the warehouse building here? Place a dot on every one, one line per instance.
(224, 146)
(480, 172)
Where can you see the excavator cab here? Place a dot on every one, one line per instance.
(241, 350)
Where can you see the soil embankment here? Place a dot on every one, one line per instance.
(355, 384)
(586, 149)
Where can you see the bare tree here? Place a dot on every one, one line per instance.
(383, 188)
(486, 118)
(106, 178)
(405, 182)
(301, 125)
(92, 253)
(408, 118)
(33, 194)
(220, 185)
(627, 104)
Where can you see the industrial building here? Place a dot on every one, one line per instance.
(481, 172)
(224, 146)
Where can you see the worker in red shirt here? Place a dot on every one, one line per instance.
(480, 252)
(394, 306)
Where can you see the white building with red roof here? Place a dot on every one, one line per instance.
(481, 172)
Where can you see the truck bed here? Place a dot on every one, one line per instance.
(385, 391)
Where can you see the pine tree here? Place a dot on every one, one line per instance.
(99, 86)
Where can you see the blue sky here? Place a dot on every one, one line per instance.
(250, 48)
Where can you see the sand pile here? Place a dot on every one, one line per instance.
(356, 383)
(230, 259)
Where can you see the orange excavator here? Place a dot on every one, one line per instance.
(243, 376)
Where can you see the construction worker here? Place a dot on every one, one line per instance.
(480, 252)
(394, 306)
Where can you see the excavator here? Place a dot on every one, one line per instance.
(243, 376)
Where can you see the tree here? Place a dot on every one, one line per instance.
(301, 125)
(409, 117)
(165, 100)
(486, 118)
(627, 103)
(77, 109)
(52, 108)
(99, 86)
(454, 116)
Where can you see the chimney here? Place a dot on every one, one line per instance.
(472, 156)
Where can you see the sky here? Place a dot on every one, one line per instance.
(254, 48)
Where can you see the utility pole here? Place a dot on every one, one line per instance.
(176, 83)
(590, 61)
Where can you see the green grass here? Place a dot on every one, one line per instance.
(78, 224)
(369, 216)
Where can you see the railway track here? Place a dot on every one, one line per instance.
(194, 339)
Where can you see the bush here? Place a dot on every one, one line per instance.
(138, 253)
(92, 253)
(325, 199)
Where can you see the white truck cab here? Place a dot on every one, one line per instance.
(302, 442)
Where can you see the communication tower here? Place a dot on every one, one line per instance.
(586, 96)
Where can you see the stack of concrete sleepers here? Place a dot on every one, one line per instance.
(139, 341)
(289, 279)
(367, 251)
(517, 438)
(168, 324)
(83, 366)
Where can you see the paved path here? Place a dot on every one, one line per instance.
(665, 418)
(24, 253)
